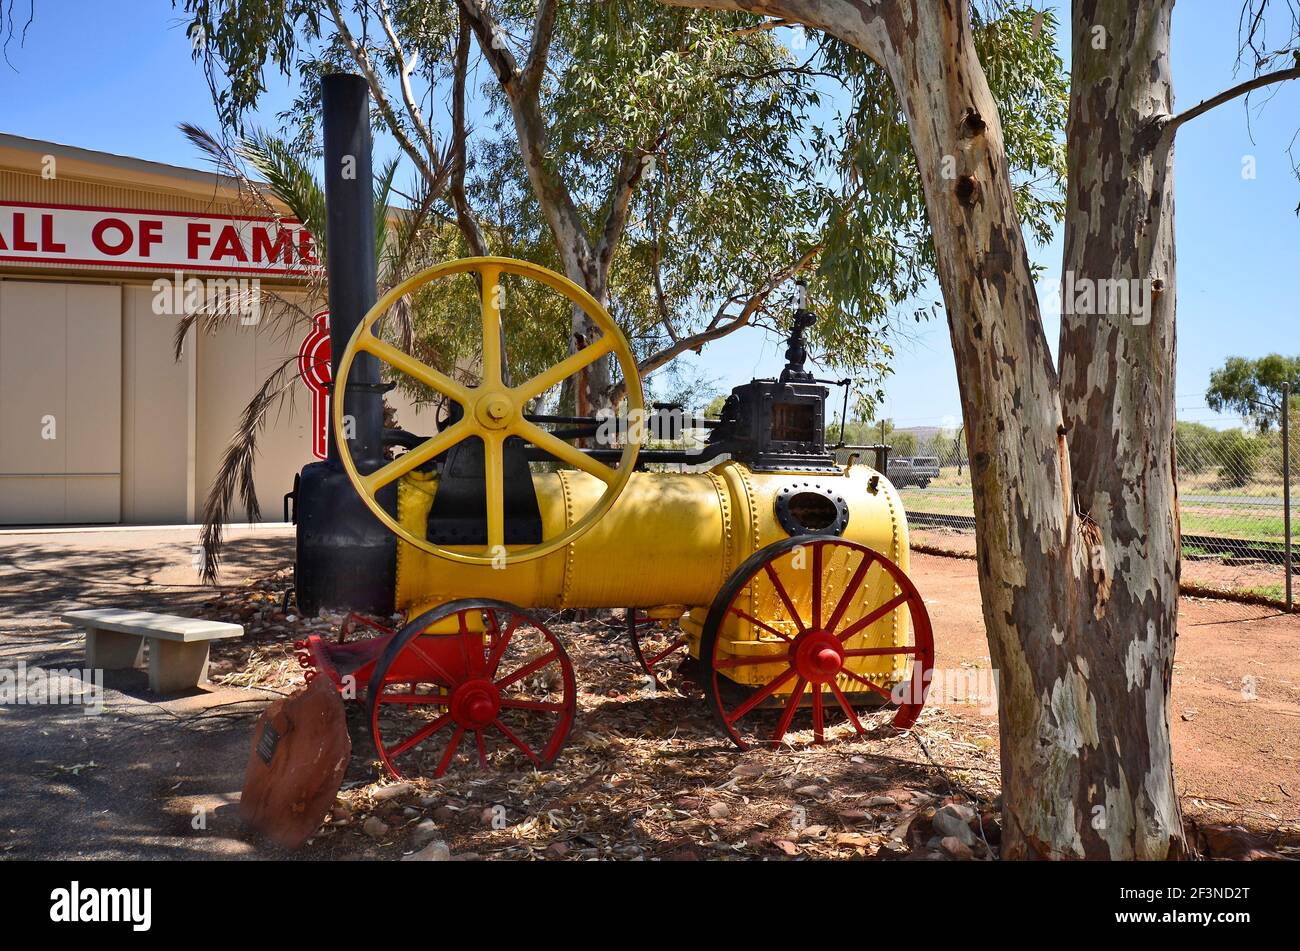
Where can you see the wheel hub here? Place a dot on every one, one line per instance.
(475, 704)
(494, 410)
(818, 657)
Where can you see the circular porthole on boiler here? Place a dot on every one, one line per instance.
(806, 508)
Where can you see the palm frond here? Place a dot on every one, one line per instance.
(235, 476)
(289, 178)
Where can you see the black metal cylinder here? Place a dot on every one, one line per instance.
(350, 239)
(346, 558)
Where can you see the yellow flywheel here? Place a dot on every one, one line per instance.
(493, 411)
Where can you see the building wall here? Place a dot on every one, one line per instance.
(60, 402)
(157, 416)
(140, 435)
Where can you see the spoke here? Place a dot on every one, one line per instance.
(753, 620)
(868, 559)
(505, 731)
(412, 367)
(871, 618)
(524, 671)
(433, 446)
(785, 598)
(868, 684)
(564, 369)
(452, 746)
(419, 736)
(533, 705)
(788, 715)
(878, 651)
(680, 642)
(499, 647)
(490, 301)
(817, 586)
(495, 490)
(818, 719)
(566, 453)
(843, 701)
(758, 696)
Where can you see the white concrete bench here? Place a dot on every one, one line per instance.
(178, 646)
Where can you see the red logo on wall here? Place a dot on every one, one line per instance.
(314, 368)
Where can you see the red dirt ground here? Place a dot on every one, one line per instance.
(1235, 758)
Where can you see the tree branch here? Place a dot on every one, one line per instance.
(540, 48)
(858, 22)
(465, 217)
(717, 328)
(1166, 126)
(404, 72)
(530, 131)
(436, 178)
(630, 171)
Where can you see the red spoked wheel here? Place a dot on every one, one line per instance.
(492, 685)
(651, 645)
(806, 622)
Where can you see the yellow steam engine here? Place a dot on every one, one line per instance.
(777, 577)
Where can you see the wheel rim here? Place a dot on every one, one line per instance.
(498, 687)
(493, 411)
(819, 649)
(649, 657)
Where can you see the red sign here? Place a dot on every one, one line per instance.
(314, 368)
(155, 240)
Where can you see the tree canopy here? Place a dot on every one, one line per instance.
(1253, 388)
(737, 149)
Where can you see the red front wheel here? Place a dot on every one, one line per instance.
(471, 681)
(808, 634)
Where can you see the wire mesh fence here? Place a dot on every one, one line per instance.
(1233, 503)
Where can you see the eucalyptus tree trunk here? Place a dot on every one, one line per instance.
(1117, 391)
(1080, 634)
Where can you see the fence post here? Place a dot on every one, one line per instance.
(1286, 484)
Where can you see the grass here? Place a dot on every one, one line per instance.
(1264, 525)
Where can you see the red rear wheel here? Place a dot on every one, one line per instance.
(496, 688)
(827, 647)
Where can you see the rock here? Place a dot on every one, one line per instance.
(375, 827)
(954, 819)
(444, 814)
(429, 799)
(879, 801)
(410, 813)
(956, 848)
(788, 847)
(424, 832)
(748, 771)
(719, 810)
(340, 813)
(556, 850)
(813, 792)
(433, 852)
(395, 791)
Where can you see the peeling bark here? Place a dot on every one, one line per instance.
(1079, 593)
(1117, 392)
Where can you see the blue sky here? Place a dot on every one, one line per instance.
(120, 82)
